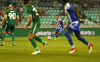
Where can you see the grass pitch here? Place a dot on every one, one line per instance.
(57, 51)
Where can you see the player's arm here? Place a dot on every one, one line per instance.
(57, 24)
(4, 19)
(77, 15)
(29, 21)
(17, 20)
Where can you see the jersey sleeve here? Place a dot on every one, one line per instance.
(60, 20)
(32, 11)
(29, 11)
(68, 7)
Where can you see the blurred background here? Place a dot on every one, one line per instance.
(89, 10)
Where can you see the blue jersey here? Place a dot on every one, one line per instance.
(71, 15)
(60, 26)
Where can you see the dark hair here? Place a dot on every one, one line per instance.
(65, 1)
(26, 1)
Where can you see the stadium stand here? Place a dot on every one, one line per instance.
(48, 9)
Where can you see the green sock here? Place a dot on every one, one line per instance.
(13, 38)
(39, 39)
(0, 36)
(3, 37)
(34, 44)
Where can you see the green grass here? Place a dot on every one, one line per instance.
(57, 51)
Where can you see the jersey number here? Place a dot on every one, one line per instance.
(12, 15)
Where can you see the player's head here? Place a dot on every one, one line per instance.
(26, 2)
(10, 7)
(64, 2)
(57, 17)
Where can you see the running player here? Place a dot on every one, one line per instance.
(59, 28)
(11, 16)
(33, 17)
(73, 26)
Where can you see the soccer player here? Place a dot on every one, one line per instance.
(33, 17)
(59, 28)
(73, 26)
(4, 25)
(11, 16)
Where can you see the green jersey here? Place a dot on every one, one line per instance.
(11, 17)
(31, 10)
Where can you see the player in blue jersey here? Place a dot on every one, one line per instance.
(73, 26)
(59, 28)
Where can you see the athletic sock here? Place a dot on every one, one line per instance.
(69, 38)
(57, 35)
(0, 36)
(13, 38)
(73, 46)
(83, 40)
(52, 35)
(3, 37)
(39, 39)
(34, 44)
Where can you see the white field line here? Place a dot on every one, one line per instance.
(47, 45)
(44, 50)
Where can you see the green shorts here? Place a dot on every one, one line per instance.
(11, 28)
(35, 28)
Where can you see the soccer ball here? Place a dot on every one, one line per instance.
(49, 38)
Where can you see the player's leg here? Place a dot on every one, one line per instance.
(4, 33)
(79, 37)
(0, 36)
(32, 36)
(69, 30)
(9, 33)
(3, 37)
(60, 31)
(57, 35)
(55, 31)
(12, 35)
(13, 38)
(2, 30)
(36, 28)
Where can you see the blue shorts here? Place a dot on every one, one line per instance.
(58, 30)
(74, 27)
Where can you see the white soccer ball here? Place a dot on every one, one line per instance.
(49, 38)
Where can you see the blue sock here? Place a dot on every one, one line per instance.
(69, 38)
(83, 40)
(57, 35)
(52, 35)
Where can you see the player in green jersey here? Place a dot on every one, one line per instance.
(4, 25)
(33, 17)
(11, 16)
